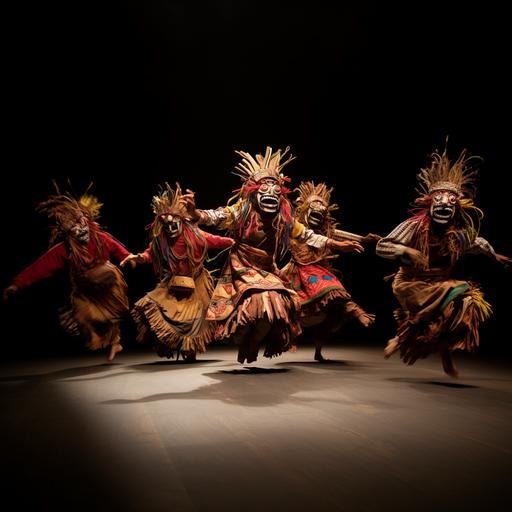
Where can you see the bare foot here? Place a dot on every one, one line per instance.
(448, 365)
(114, 349)
(366, 319)
(293, 348)
(391, 347)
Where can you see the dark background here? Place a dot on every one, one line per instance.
(131, 94)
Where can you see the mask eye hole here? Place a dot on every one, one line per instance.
(452, 199)
(437, 198)
(264, 188)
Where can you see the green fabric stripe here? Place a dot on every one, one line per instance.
(453, 293)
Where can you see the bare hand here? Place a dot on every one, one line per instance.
(10, 291)
(346, 246)
(188, 200)
(415, 258)
(132, 260)
(370, 238)
(503, 260)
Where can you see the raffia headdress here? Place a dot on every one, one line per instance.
(65, 208)
(458, 177)
(254, 169)
(169, 201)
(309, 193)
(443, 174)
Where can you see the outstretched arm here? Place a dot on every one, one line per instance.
(10, 291)
(114, 247)
(482, 246)
(45, 266)
(136, 259)
(345, 245)
(346, 235)
(309, 237)
(506, 261)
(217, 242)
(220, 217)
(396, 245)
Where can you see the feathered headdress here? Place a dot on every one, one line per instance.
(254, 169)
(444, 174)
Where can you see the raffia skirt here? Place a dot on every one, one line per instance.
(173, 320)
(437, 314)
(99, 301)
(249, 296)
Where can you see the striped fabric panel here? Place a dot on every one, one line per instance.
(482, 246)
(393, 245)
(345, 235)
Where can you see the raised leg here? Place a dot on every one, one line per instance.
(448, 364)
(114, 349)
(391, 347)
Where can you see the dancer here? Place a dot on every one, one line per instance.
(171, 317)
(438, 313)
(99, 298)
(251, 304)
(325, 303)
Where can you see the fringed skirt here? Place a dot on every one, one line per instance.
(437, 316)
(322, 296)
(175, 320)
(279, 309)
(248, 297)
(99, 302)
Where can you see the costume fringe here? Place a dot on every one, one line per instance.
(154, 328)
(188, 330)
(277, 307)
(317, 306)
(98, 303)
(455, 328)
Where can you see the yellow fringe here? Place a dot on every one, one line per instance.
(483, 309)
(473, 228)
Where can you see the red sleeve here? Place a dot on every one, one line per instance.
(146, 255)
(217, 242)
(45, 266)
(113, 247)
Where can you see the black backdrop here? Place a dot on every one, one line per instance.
(130, 94)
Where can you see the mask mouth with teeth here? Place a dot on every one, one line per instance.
(316, 214)
(172, 224)
(443, 207)
(268, 196)
(77, 229)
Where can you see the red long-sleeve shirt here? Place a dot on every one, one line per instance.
(180, 249)
(57, 258)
